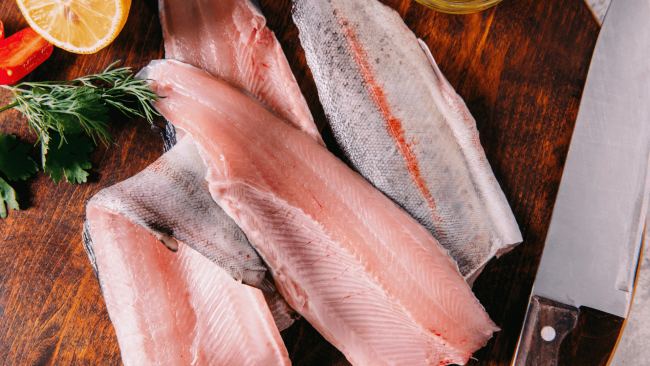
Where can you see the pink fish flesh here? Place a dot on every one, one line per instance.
(177, 308)
(180, 309)
(372, 280)
(230, 40)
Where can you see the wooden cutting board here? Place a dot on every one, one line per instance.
(520, 66)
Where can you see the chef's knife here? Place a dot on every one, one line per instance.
(593, 241)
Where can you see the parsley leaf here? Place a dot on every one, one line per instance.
(69, 157)
(14, 161)
(8, 196)
(15, 164)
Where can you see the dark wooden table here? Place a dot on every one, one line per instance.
(520, 66)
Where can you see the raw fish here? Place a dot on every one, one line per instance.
(403, 127)
(372, 280)
(230, 40)
(176, 308)
(170, 199)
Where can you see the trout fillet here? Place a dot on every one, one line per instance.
(177, 309)
(372, 280)
(230, 40)
(403, 127)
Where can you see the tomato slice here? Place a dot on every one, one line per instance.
(2, 31)
(21, 53)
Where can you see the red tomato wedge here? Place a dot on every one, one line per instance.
(2, 31)
(21, 53)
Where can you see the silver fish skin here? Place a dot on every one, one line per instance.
(170, 199)
(403, 127)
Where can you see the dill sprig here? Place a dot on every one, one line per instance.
(82, 103)
(56, 109)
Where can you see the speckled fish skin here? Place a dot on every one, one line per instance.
(230, 40)
(170, 199)
(177, 309)
(403, 127)
(369, 278)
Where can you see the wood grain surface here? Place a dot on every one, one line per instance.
(520, 66)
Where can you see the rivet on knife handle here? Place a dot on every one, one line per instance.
(547, 323)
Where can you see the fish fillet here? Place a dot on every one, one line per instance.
(403, 127)
(230, 40)
(170, 199)
(177, 308)
(369, 278)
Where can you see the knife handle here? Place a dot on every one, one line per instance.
(547, 323)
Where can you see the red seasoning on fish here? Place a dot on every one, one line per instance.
(366, 275)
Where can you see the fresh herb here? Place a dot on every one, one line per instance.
(69, 117)
(70, 157)
(14, 161)
(15, 164)
(82, 103)
(9, 196)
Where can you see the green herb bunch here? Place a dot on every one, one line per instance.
(68, 118)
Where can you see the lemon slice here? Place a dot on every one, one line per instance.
(79, 26)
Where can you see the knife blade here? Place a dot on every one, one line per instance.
(592, 245)
(633, 344)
